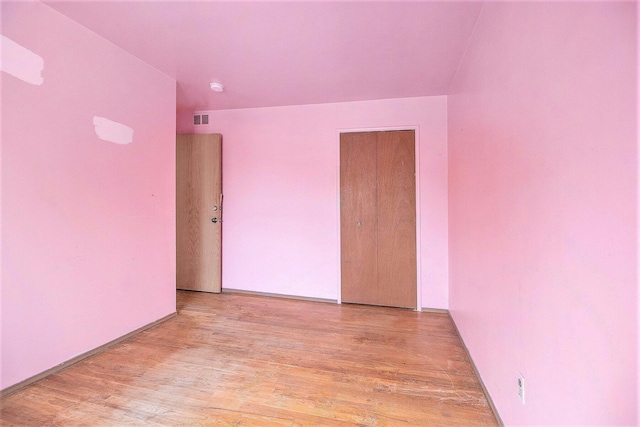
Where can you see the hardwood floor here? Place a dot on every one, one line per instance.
(241, 360)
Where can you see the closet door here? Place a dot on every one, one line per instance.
(358, 218)
(397, 267)
(378, 218)
(199, 212)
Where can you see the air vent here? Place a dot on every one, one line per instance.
(200, 119)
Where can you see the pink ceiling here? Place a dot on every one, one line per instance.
(288, 53)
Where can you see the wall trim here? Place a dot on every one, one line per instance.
(475, 369)
(64, 365)
(275, 295)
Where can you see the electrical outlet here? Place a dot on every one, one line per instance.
(521, 387)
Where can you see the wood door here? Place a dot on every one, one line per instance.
(378, 218)
(199, 212)
(397, 267)
(358, 218)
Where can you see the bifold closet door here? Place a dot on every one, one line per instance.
(199, 212)
(358, 218)
(378, 218)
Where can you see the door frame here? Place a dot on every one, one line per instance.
(416, 142)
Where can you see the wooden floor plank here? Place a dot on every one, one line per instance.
(234, 359)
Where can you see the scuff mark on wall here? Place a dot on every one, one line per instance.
(20, 62)
(111, 131)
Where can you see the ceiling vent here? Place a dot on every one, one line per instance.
(200, 119)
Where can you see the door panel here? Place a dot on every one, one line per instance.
(396, 219)
(198, 190)
(358, 218)
(377, 218)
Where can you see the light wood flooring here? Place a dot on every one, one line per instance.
(240, 360)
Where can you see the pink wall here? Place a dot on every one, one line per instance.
(542, 209)
(637, 218)
(88, 234)
(280, 171)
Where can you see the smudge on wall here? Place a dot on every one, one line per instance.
(20, 62)
(111, 131)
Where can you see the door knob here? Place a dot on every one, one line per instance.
(215, 220)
